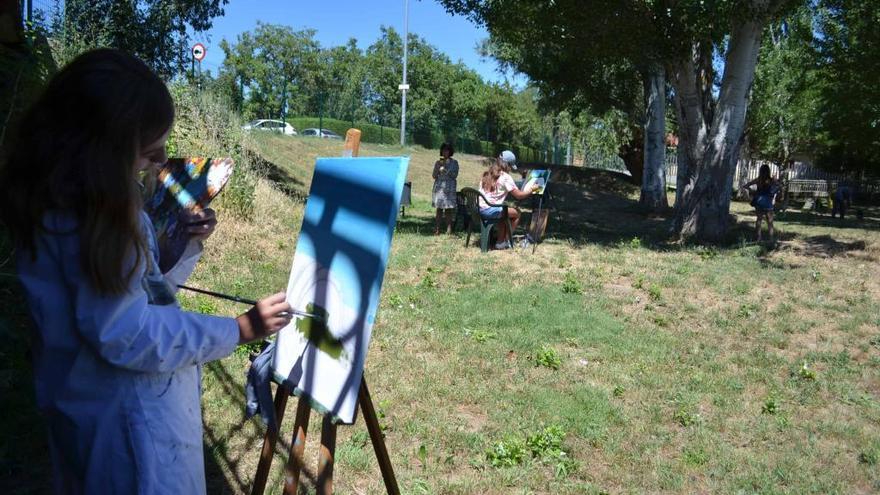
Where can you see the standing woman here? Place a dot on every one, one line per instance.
(443, 197)
(765, 192)
(116, 361)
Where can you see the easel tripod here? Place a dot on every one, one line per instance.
(324, 478)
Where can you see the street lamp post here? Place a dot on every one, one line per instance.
(404, 86)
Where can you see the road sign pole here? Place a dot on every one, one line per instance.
(198, 52)
(404, 86)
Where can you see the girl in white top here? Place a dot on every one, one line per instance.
(495, 185)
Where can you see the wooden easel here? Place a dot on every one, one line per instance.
(324, 478)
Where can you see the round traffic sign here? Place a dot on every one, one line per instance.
(199, 51)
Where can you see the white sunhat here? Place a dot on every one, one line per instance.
(508, 157)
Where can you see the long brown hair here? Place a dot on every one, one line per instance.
(490, 177)
(76, 152)
(764, 178)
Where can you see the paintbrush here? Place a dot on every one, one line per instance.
(249, 301)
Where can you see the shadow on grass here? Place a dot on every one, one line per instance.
(294, 188)
(416, 224)
(870, 221)
(604, 215)
(221, 468)
(600, 208)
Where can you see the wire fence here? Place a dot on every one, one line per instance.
(432, 137)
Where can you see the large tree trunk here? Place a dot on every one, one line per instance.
(692, 80)
(653, 194)
(704, 210)
(633, 155)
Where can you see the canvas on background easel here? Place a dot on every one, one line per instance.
(336, 278)
(540, 214)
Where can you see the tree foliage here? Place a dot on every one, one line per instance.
(280, 68)
(154, 30)
(275, 70)
(787, 92)
(849, 49)
(815, 89)
(590, 52)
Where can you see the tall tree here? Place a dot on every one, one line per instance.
(684, 36)
(849, 46)
(345, 71)
(785, 114)
(278, 68)
(154, 30)
(589, 59)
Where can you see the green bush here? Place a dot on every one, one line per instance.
(548, 357)
(544, 446)
(370, 133)
(206, 126)
(571, 284)
(431, 139)
(507, 453)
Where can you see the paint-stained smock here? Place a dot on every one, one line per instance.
(117, 378)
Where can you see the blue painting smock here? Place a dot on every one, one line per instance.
(117, 377)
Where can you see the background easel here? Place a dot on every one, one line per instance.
(323, 480)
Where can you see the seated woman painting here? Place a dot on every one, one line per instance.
(495, 185)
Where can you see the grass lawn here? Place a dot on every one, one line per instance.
(610, 361)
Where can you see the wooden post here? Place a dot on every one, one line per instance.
(297, 448)
(281, 395)
(352, 143)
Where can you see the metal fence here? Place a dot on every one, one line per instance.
(602, 161)
(803, 179)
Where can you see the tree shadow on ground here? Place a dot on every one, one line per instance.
(292, 187)
(604, 213)
(603, 210)
(415, 224)
(870, 218)
(823, 246)
(222, 470)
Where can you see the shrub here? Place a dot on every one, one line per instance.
(205, 126)
(370, 133)
(571, 284)
(507, 453)
(545, 446)
(548, 357)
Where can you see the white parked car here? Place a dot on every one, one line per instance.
(271, 125)
(324, 133)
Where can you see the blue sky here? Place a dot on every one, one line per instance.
(338, 20)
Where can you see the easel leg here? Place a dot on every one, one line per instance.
(281, 395)
(325, 457)
(297, 447)
(376, 437)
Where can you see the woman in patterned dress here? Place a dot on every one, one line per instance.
(443, 197)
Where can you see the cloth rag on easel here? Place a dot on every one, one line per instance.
(258, 391)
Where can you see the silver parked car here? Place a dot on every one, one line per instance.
(324, 133)
(271, 125)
